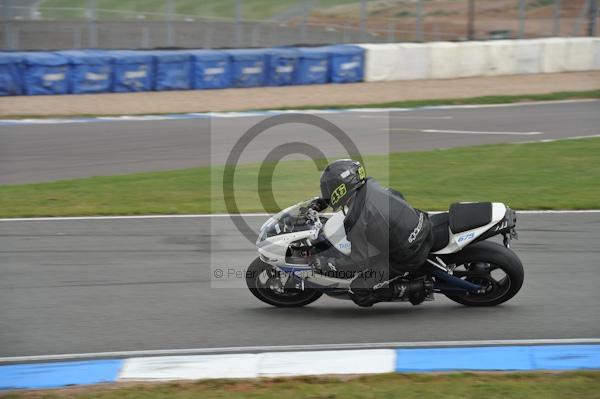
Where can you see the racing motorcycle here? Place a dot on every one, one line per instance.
(300, 247)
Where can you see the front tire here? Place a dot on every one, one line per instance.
(260, 276)
(490, 265)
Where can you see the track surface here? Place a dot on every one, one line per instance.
(72, 286)
(32, 153)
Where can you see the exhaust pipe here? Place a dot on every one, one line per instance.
(454, 282)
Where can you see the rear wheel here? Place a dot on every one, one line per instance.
(494, 267)
(264, 283)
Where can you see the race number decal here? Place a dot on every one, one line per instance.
(338, 193)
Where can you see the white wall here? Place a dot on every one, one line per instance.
(580, 54)
(444, 62)
(447, 60)
(501, 58)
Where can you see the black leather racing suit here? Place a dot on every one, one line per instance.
(388, 236)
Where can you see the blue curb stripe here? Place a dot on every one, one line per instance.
(509, 358)
(52, 375)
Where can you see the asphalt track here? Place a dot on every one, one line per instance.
(74, 286)
(46, 152)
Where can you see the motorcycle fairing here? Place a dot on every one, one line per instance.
(457, 241)
(335, 233)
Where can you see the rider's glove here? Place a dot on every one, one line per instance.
(319, 204)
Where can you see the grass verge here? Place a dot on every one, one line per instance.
(504, 99)
(552, 175)
(465, 385)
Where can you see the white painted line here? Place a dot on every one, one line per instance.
(517, 104)
(476, 132)
(541, 211)
(226, 215)
(289, 348)
(591, 136)
(479, 132)
(406, 117)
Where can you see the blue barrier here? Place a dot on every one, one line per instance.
(281, 66)
(99, 71)
(346, 63)
(132, 70)
(313, 66)
(45, 73)
(173, 70)
(10, 74)
(248, 67)
(210, 69)
(90, 71)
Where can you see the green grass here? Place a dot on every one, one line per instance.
(251, 9)
(553, 175)
(579, 385)
(504, 99)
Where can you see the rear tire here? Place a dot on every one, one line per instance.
(481, 262)
(261, 274)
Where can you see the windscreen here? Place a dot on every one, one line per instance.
(287, 221)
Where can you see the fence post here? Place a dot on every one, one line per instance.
(471, 20)
(238, 23)
(363, 20)
(145, 37)
(575, 30)
(556, 29)
(90, 15)
(77, 42)
(9, 42)
(593, 14)
(391, 31)
(303, 31)
(419, 27)
(208, 34)
(256, 35)
(169, 34)
(521, 19)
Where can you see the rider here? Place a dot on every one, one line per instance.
(388, 236)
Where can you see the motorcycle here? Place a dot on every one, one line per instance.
(299, 247)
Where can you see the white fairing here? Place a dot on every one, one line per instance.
(335, 232)
(461, 240)
(273, 249)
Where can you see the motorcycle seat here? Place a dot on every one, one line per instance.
(441, 235)
(469, 216)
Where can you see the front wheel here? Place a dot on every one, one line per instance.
(264, 283)
(496, 268)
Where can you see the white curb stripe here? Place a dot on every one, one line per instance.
(260, 365)
(190, 367)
